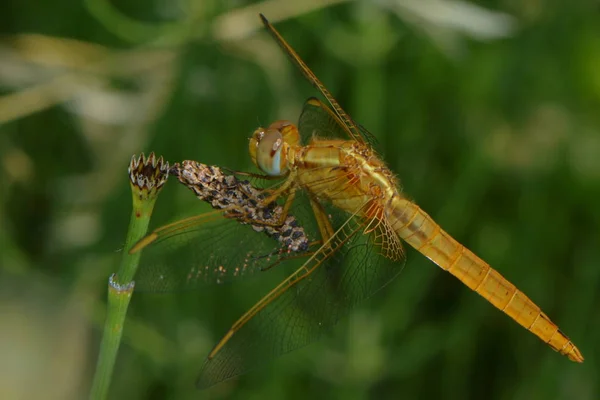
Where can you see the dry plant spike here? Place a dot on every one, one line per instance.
(241, 201)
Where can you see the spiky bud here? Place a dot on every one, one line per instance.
(147, 176)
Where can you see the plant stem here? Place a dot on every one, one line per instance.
(147, 176)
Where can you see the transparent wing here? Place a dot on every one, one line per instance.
(351, 129)
(317, 119)
(385, 239)
(343, 272)
(235, 241)
(205, 249)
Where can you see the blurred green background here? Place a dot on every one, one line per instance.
(489, 112)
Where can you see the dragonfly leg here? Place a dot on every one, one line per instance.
(239, 213)
(265, 202)
(324, 224)
(288, 204)
(325, 228)
(287, 185)
(284, 212)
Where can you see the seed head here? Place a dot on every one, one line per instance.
(147, 175)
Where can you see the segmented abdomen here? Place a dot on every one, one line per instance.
(418, 229)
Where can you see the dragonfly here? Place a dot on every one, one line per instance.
(361, 217)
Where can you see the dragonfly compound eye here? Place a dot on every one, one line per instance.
(288, 130)
(256, 138)
(271, 154)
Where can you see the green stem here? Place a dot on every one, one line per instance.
(118, 301)
(138, 226)
(147, 178)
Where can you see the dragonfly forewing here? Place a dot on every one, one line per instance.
(222, 245)
(352, 129)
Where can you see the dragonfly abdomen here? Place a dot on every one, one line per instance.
(418, 229)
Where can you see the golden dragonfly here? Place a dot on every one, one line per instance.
(361, 217)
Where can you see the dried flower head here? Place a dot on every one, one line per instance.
(147, 175)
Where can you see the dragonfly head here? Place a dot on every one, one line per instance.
(269, 148)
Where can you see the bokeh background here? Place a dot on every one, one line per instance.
(488, 111)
